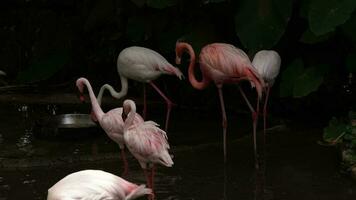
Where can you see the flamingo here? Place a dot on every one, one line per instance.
(223, 63)
(95, 184)
(111, 122)
(143, 65)
(146, 142)
(267, 63)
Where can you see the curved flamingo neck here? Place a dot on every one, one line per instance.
(113, 92)
(258, 81)
(94, 103)
(192, 79)
(131, 106)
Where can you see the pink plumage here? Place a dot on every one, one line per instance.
(146, 142)
(95, 184)
(111, 122)
(222, 63)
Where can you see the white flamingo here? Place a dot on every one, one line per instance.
(95, 185)
(143, 65)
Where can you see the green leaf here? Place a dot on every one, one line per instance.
(261, 24)
(44, 68)
(349, 28)
(310, 38)
(138, 28)
(351, 62)
(308, 82)
(334, 130)
(289, 76)
(324, 16)
(201, 34)
(160, 4)
(139, 3)
(102, 12)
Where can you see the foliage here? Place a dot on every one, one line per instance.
(336, 129)
(44, 38)
(265, 19)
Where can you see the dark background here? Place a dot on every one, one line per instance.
(50, 43)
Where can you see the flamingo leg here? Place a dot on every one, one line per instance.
(265, 110)
(149, 182)
(152, 178)
(144, 102)
(126, 165)
(224, 118)
(254, 123)
(168, 101)
(255, 120)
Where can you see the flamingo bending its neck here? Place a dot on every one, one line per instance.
(267, 63)
(111, 122)
(223, 63)
(95, 184)
(143, 65)
(146, 142)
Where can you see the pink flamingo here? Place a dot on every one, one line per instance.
(111, 122)
(267, 63)
(223, 63)
(147, 143)
(95, 184)
(143, 65)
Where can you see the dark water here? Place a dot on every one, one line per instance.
(295, 166)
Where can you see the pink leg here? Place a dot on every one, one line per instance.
(265, 111)
(144, 102)
(254, 123)
(255, 120)
(152, 179)
(224, 119)
(148, 180)
(168, 101)
(126, 165)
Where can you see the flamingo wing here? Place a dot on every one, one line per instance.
(148, 143)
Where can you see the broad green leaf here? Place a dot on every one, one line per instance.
(44, 68)
(349, 28)
(201, 34)
(139, 3)
(261, 24)
(289, 76)
(160, 4)
(334, 130)
(100, 14)
(138, 28)
(324, 16)
(308, 82)
(351, 62)
(310, 38)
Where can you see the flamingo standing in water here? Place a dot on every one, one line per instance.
(143, 65)
(147, 143)
(111, 122)
(95, 184)
(223, 63)
(267, 63)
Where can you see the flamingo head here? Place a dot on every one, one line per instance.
(80, 86)
(179, 52)
(128, 106)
